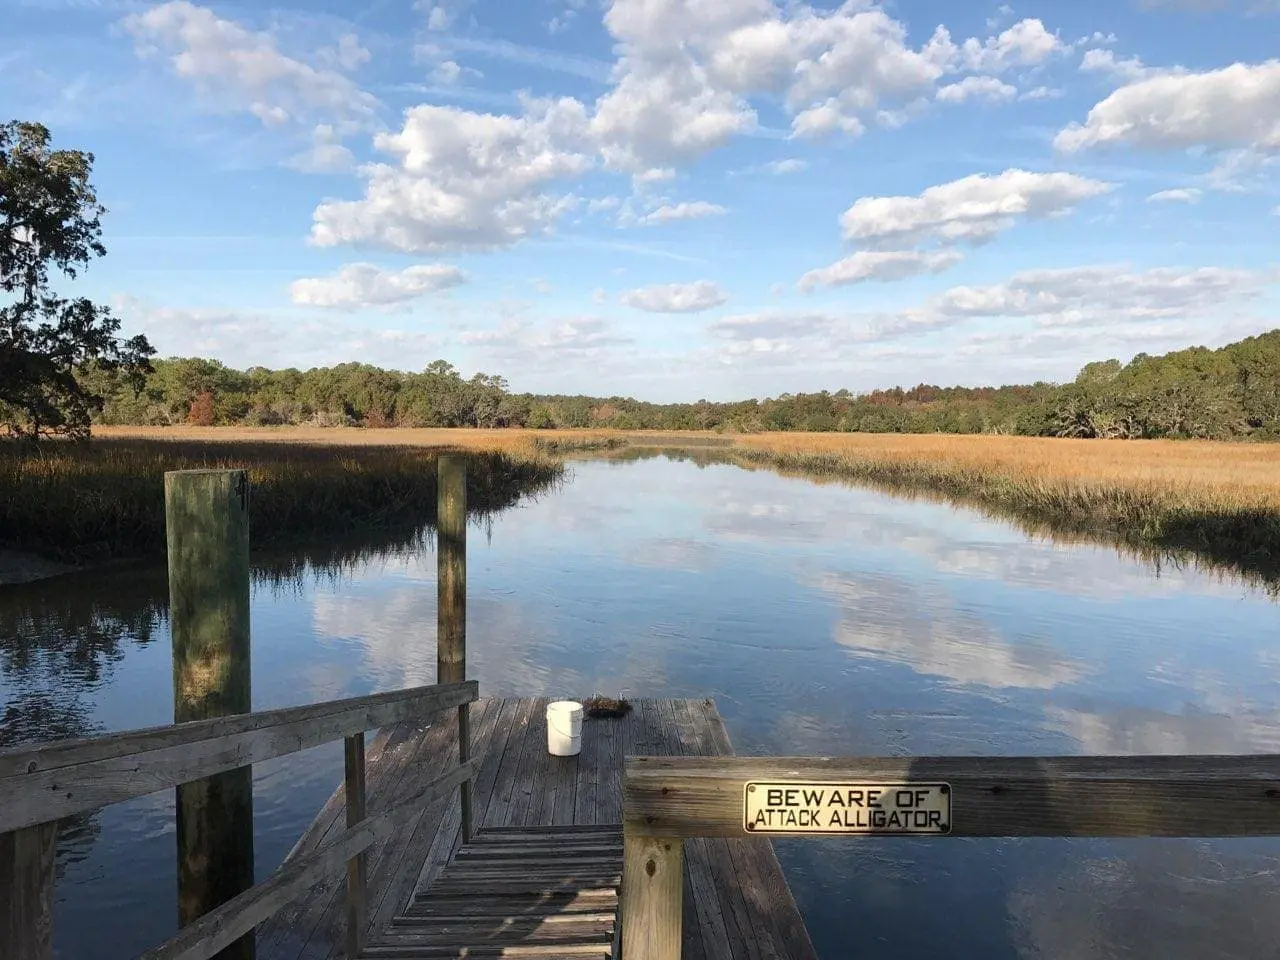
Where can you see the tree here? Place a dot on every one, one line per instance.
(50, 218)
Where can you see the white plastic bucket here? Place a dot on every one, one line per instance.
(564, 728)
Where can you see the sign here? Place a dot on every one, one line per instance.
(879, 808)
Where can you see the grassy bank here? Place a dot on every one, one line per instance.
(1216, 501)
(103, 500)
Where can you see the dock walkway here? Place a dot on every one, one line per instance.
(541, 875)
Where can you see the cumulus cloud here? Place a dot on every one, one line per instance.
(1026, 43)
(237, 69)
(973, 209)
(679, 94)
(463, 180)
(1105, 61)
(880, 265)
(1233, 107)
(691, 210)
(1179, 195)
(676, 297)
(990, 89)
(364, 284)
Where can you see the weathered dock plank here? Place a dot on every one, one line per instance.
(541, 876)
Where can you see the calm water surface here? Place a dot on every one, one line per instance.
(823, 619)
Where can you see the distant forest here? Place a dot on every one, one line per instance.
(1229, 393)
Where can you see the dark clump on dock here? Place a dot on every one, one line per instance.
(598, 706)
(541, 876)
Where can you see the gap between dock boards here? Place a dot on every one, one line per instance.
(736, 901)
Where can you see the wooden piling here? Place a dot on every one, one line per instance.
(357, 866)
(26, 892)
(451, 617)
(207, 528)
(652, 897)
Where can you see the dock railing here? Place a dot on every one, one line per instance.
(41, 784)
(669, 799)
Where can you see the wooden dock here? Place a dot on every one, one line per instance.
(541, 875)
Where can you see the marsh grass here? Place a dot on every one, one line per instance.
(92, 502)
(1170, 500)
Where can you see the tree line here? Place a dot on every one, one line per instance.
(1229, 393)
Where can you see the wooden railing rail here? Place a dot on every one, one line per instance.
(41, 784)
(51, 781)
(668, 799)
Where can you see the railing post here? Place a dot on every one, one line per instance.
(451, 617)
(357, 910)
(652, 896)
(207, 527)
(26, 892)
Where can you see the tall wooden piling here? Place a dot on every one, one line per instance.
(207, 527)
(451, 617)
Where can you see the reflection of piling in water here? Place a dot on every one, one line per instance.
(207, 532)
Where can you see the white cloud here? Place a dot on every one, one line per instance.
(246, 339)
(1026, 43)
(880, 265)
(325, 155)
(1275, 211)
(825, 118)
(364, 284)
(599, 295)
(1073, 303)
(1003, 12)
(981, 88)
(676, 297)
(1041, 93)
(347, 54)
(1236, 106)
(446, 72)
(1180, 195)
(236, 69)
(441, 14)
(1105, 61)
(463, 180)
(663, 114)
(681, 93)
(789, 165)
(973, 209)
(547, 345)
(689, 210)
(652, 175)
(1242, 170)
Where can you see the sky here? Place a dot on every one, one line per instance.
(672, 199)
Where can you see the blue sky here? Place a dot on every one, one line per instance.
(672, 199)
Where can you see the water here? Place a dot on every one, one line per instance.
(823, 619)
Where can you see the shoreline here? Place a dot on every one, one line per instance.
(20, 566)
